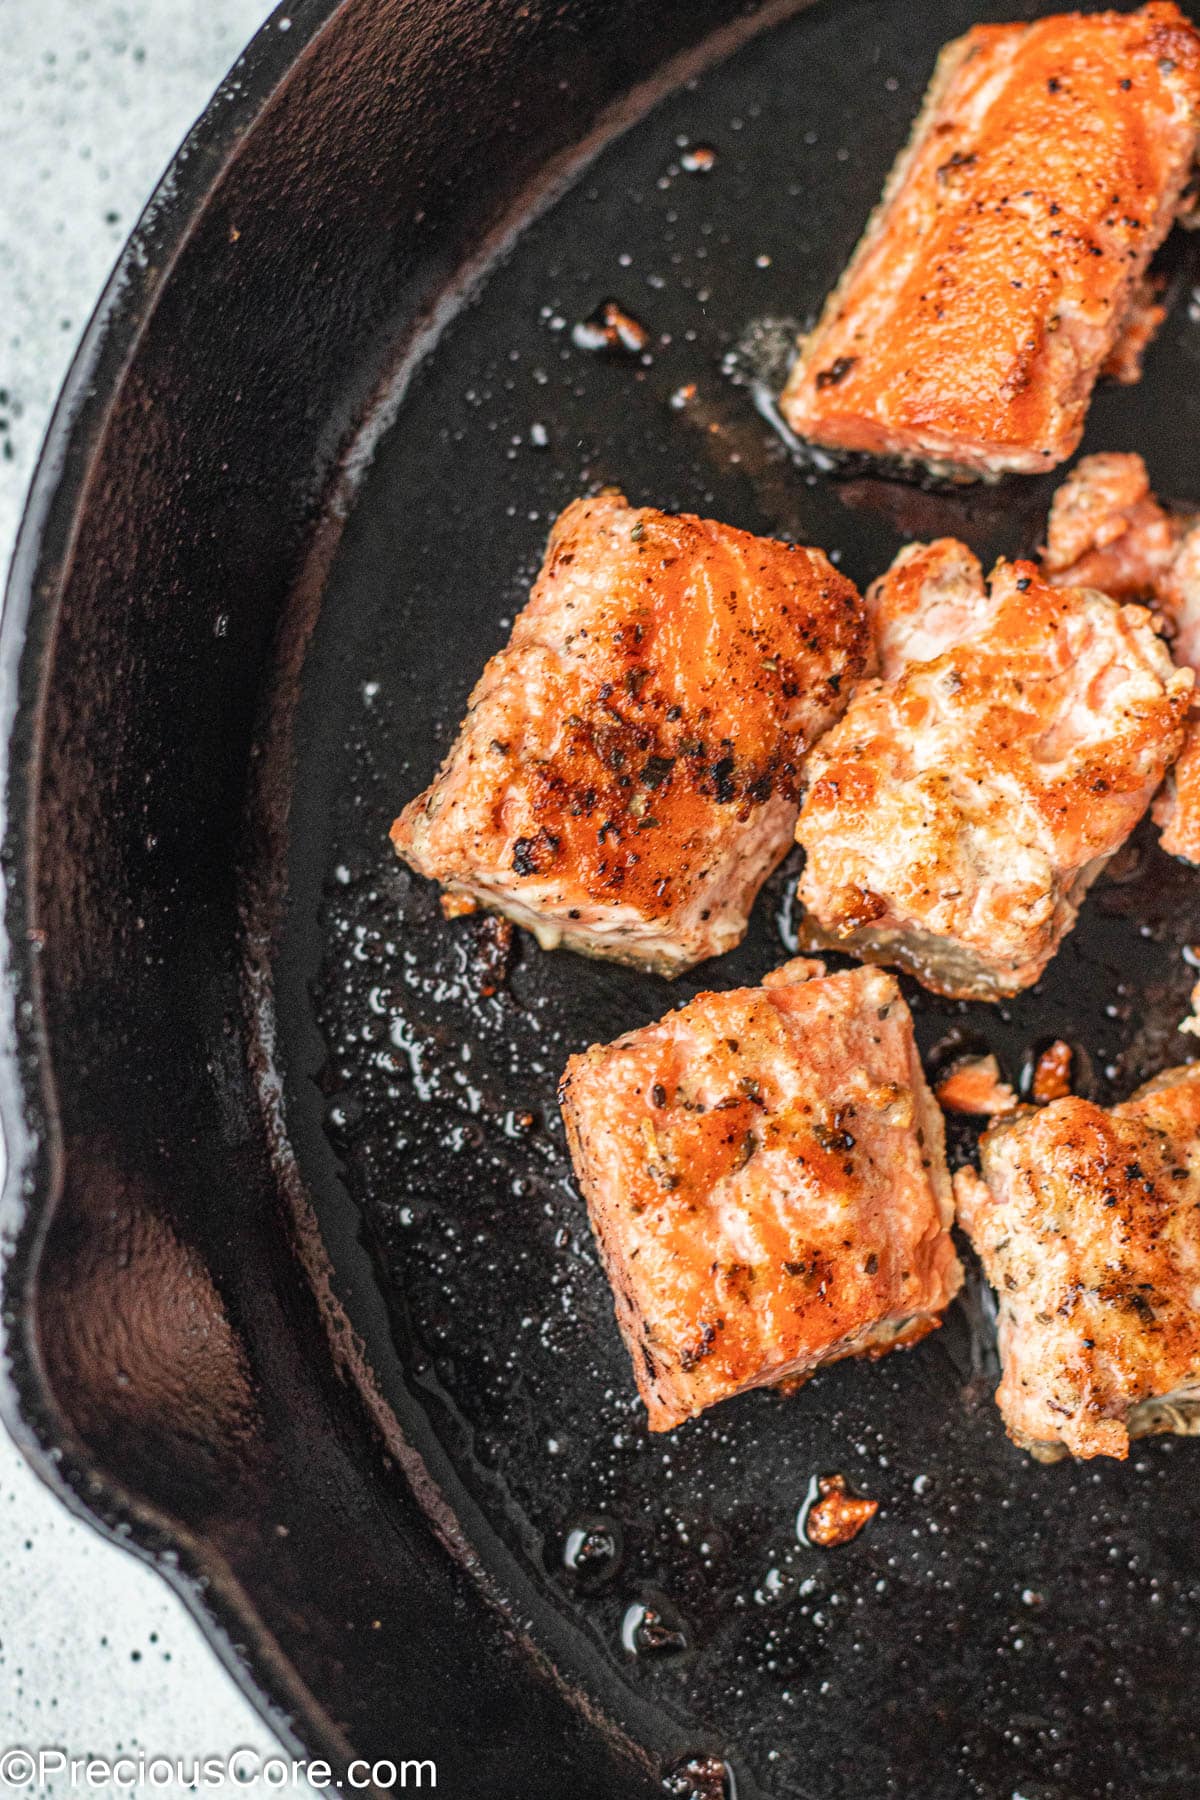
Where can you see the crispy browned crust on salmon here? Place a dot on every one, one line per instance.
(1004, 268)
(1087, 1221)
(629, 769)
(765, 1175)
(957, 814)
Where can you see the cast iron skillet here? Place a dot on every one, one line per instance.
(300, 1299)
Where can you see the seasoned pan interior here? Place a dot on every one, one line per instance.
(1000, 1628)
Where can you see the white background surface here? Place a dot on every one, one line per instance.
(95, 1653)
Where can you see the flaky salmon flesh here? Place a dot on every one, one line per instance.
(1005, 267)
(628, 773)
(1087, 1221)
(956, 815)
(1107, 529)
(765, 1176)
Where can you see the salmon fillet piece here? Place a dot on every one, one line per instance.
(765, 1175)
(957, 814)
(1087, 1222)
(628, 773)
(1107, 529)
(1004, 269)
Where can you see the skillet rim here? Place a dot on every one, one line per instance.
(34, 1161)
(223, 1604)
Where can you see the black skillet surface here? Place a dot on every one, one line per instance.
(1000, 1627)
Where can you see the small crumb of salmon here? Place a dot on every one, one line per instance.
(491, 955)
(458, 906)
(836, 1515)
(1052, 1073)
(791, 974)
(610, 327)
(976, 1087)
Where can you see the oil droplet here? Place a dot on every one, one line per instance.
(776, 1585)
(652, 1630)
(344, 1115)
(610, 328)
(700, 1778)
(763, 355)
(700, 159)
(787, 917)
(592, 1551)
(831, 1514)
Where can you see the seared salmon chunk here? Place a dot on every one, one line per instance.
(629, 769)
(1108, 530)
(765, 1175)
(1088, 1225)
(957, 814)
(1005, 268)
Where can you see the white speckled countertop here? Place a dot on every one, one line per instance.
(95, 1653)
